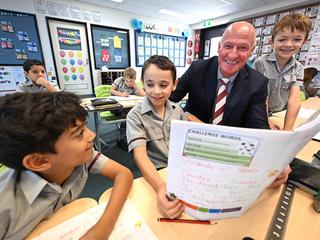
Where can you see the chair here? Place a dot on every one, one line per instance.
(107, 117)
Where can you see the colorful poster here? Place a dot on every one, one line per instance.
(69, 39)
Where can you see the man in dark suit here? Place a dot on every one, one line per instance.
(247, 88)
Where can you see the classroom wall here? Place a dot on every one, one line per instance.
(109, 17)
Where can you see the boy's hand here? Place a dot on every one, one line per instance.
(282, 178)
(43, 82)
(95, 234)
(125, 94)
(170, 209)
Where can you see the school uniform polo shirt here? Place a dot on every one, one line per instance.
(28, 86)
(280, 81)
(146, 128)
(27, 198)
(120, 86)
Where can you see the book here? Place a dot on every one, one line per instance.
(130, 225)
(219, 171)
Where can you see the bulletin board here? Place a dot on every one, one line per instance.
(111, 47)
(19, 38)
(10, 77)
(148, 44)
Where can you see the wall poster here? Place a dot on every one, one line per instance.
(69, 41)
(148, 44)
(111, 47)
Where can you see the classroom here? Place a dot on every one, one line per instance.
(179, 119)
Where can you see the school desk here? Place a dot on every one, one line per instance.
(125, 103)
(66, 212)
(303, 221)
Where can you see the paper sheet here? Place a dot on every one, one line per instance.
(219, 171)
(130, 225)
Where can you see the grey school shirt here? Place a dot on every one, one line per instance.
(27, 198)
(120, 86)
(280, 81)
(146, 128)
(28, 86)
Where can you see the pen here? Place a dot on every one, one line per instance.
(177, 220)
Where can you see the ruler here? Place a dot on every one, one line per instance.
(280, 217)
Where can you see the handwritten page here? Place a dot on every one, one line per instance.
(305, 113)
(219, 171)
(130, 225)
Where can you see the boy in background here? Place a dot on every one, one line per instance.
(35, 73)
(148, 127)
(311, 82)
(126, 85)
(46, 143)
(281, 68)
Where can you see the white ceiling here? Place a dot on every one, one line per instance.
(194, 11)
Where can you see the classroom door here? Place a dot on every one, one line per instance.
(69, 43)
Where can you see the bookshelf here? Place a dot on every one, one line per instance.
(108, 77)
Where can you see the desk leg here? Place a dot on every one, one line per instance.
(97, 128)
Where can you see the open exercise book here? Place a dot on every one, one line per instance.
(130, 225)
(219, 171)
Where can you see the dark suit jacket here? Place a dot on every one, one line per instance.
(246, 103)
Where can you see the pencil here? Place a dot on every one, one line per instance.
(177, 220)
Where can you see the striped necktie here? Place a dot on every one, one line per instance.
(220, 102)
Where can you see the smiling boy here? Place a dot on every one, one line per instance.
(46, 144)
(282, 70)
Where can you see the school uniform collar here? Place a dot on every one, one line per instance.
(32, 185)
(272, 58)
(147, 107)
(28, 82)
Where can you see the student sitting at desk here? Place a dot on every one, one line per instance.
(126, 85)
(46, 143)
(148, 127)
(35, 73)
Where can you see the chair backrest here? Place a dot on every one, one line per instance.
(103, 90)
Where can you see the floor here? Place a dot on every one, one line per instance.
(97, 184)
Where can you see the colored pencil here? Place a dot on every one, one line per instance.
(177, 220)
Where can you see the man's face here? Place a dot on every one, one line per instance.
(234, 50)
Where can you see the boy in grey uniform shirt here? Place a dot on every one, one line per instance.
(126, 85)
(35, 73)
(282, 70)
(46, 144)
(148, 127)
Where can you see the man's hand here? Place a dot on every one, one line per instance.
(274, 126)
(170, 209)
(282, 178)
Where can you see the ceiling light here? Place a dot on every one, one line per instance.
(118, 1)
(170, 13)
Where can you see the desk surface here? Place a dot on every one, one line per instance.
(303, 221)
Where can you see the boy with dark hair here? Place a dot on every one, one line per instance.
(46, 143)
(282, 70)
(148, 127)
(35, 73)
